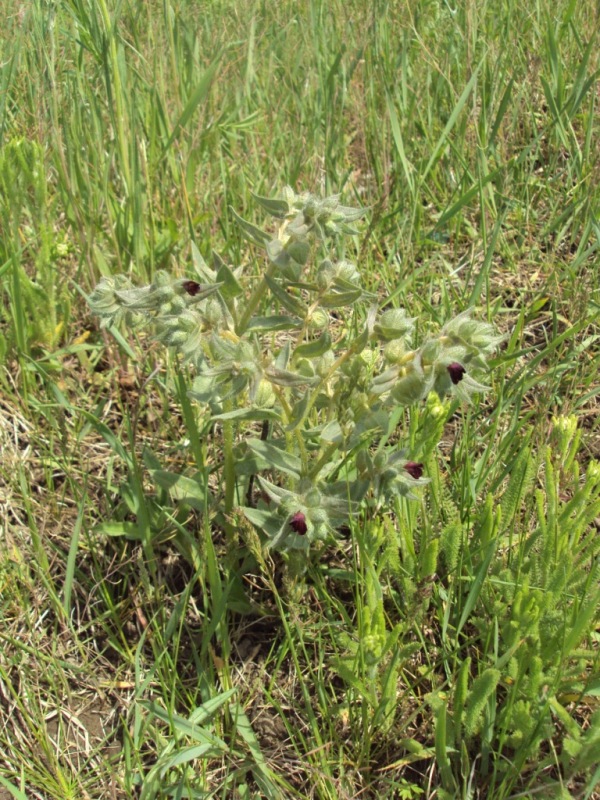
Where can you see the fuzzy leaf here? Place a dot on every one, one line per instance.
(282, 377)
(253, 233)
(298, 250)
(276, 208)
(332, 432)
(285, 299)
(264, 520)
(180, 487)
(277, 322)
(299, 412)
(230, 288)
(315, 348)
(204, 272)
(276, 457)
(336, 298)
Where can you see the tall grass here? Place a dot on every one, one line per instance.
(452, 652)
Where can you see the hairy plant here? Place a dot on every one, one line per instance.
(304, 354)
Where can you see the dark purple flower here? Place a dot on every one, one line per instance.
(191, 287)
(298, 523)
(414, 469)
(456, 372)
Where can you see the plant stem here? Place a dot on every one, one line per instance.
(297, 435)
(324, 459)
(255, 299)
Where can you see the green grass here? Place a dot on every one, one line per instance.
(452, 650)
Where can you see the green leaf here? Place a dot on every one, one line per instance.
(277, 322)
(385, 381)
(276, 457)
(249, 414)
(282, 377)
(250, 465)
(299, 412)
(130, 530)
(298, 250)
(71, 560)
(253, 233)
(277, 253)
(196, 97)
(276, 208)
(340, 297)
(192, 727)
(244, 728)
(315, 348)
(332, 432)
(292, 304)
(283, 357)
(352, 214)
(477, 584)
(12, 789)
(450, 124)
(230, 288)
(204, 272)
(482, 688)
(263, 520)
(399, 142)
(583, 623)
(362, 340)
(442, 747)
(182, 488)
(210, 749)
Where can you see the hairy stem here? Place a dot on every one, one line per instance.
(254, 300)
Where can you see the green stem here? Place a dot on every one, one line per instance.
(331, 371)
(297, 435)
(324, 459)
(255, 299)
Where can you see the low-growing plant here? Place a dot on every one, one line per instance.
(305, 373)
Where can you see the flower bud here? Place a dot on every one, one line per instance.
(173, 307)
(380, 460)
(318, 319)
(347, 271)
(369, 357)
(325, 274)
(265, 395)
(394, 351)
(394, 324)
